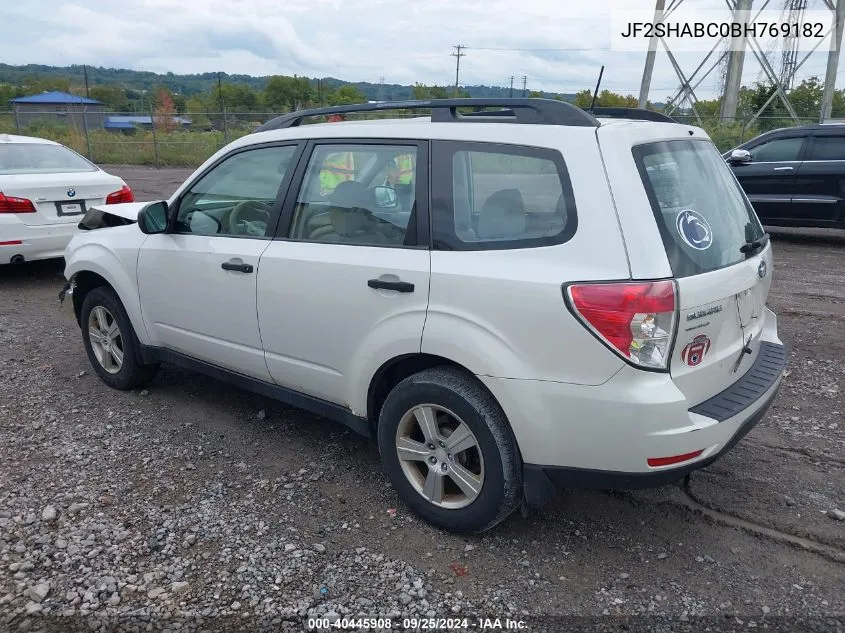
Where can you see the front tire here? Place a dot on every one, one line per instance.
(448, 450)
(110, 341)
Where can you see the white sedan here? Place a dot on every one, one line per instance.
(45, 189)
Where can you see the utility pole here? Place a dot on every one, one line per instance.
(733, 79)
(87, 92)
(222, 108)
(510, 93)
(457, 55)
(525, 85)
(833, 61)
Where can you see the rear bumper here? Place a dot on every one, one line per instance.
(734, 412)
(42, 241)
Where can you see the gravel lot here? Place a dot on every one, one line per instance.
(192, 505)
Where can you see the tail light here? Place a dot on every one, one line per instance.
(124, 194)
(636, 320)
(10, 204)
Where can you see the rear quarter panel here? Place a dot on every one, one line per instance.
(501, 313)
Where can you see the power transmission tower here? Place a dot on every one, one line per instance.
(85, 70)
(381, 88)
(525, 85)
(736, 61)
(457, 55)
(793, 14)
(510, 92)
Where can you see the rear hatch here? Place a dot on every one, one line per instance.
(61, 184)
(720, 257)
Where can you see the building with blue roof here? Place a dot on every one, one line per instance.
(62, 107)
(127, 123)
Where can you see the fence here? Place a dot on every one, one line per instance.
(188, 139)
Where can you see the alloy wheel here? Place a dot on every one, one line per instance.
(106, 339)
(440, 456)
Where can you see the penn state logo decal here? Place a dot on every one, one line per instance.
(695, 350)
(694, 230)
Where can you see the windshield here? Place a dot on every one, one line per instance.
(703, 215)
(40, 158)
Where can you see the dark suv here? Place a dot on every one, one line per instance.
(795, 176)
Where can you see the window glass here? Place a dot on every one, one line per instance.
(40, 158)
(778, 150)
(236, 198)
(500, 197)
(828, 148)
(357, 194)
(702, 214)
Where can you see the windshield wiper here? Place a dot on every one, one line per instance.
(752, 247)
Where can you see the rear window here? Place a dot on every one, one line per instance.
(828, 148)
(40, 158)
(703, 216)
(494, 196)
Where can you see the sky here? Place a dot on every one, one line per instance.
(559, 45)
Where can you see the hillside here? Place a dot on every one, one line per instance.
(196, 84)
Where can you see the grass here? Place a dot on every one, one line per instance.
(190, 148)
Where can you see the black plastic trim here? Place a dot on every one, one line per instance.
(638, 114)
(538, 480)
(526, 111)
(329, 410)
(767, 368)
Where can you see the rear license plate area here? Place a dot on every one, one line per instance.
(70, 208)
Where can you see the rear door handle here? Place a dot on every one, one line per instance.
(237, 266)
(398, 286)
(783, 169)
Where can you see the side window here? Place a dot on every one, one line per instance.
(778, 150)
(828, 148)
(236, 197)
(357, 194)
(493, 196)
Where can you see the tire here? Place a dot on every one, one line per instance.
(108, 311)
(451, 397)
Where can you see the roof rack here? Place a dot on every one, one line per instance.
(639, 114)
(526, 111)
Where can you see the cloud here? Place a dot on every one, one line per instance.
(358, 40)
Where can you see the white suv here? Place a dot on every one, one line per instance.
(506, 299)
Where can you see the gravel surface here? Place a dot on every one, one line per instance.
(194, 506)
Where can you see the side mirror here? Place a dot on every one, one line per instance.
(740, 156)
(386, 197)
(152, 218)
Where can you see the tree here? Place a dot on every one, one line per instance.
(164, 110)
(113, 97)
(345, 95)
(288, 93)
(236, 97)
(37, 85)
(423, 92)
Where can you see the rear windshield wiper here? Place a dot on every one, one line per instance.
(752, 247)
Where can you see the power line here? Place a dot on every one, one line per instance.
(538, 50)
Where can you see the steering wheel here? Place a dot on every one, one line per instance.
(245, 214)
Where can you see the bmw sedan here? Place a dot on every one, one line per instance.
(45, 189)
